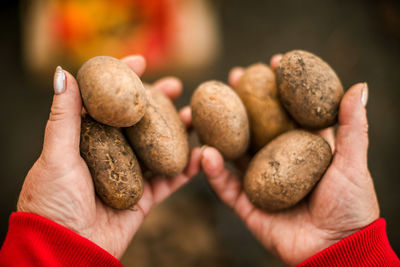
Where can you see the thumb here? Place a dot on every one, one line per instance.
(352, 133)
(63, 127)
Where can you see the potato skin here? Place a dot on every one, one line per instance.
(113, 165)
(111, 92)
(284, 171)
(309, 89)
(219, 118)
(159, 138)
(267, 117)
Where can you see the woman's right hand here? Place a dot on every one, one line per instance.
(342, 203)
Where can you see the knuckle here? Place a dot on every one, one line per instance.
(20, 205)
(56, 114)
(364, 131)
(58, 111)
(43, 160)
(365, 128)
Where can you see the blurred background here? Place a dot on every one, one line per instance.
(196, 40)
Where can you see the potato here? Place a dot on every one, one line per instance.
(111, 92)
(159, 138)
(219, 118)
(267, 117)
(113, 165)
(284, 171)
(309, 89)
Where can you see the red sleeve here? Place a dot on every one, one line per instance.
(367, 247)
(33, 240)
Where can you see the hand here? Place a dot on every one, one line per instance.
(343, 202)
(59, 185)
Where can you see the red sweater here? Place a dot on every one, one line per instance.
(35, 240)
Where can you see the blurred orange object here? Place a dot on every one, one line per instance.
(69, 32)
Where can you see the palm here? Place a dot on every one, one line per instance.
(113, 229)
(312, 225)
(105, 226)
(69, 199)
(326, 216)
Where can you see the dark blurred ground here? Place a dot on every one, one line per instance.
(360, 40)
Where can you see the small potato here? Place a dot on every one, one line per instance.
(284, 171)
(159, 138)
(113, 165)
(267, 117)
(219, 118)
(111, 92)
(309, 89)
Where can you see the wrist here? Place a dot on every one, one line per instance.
(30, 235)
(346, 226)
(25, 205)
(367, 247)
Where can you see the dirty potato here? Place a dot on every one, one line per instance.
(219, 118)
(159, 138)
(309, 89)
(284, 171)
(113, 165)
(267, 117)
(111, 92)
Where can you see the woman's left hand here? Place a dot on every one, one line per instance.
(59, 185)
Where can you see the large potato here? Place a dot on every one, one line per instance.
(159, 138)
(309, 89)
(219, 118)
(284, 171)
(111, 92)
(113, 165)
(267, 117)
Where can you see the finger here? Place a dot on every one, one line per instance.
(275, 59)
(225, 184)
(136, 62)
(186, 116)
(133, 218)
(170, 86)
(62, 132)
(193, 167)
(163, 187)
(329, 136)
(234, 75)
(352, 133)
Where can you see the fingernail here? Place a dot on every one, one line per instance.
(234, 75)
(236, 71)
(364, 95)
(237, 68)
(59, 81)
(277, 57)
